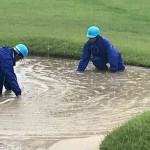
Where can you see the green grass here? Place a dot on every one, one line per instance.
(58, 28)
(133, 135)
(125, 23)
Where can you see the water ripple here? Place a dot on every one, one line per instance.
(59, 103)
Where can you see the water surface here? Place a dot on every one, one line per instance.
(59, 103)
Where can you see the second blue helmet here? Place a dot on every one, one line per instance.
(93, 31)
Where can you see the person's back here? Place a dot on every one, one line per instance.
(6, 53)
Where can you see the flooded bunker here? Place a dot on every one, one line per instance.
(59, 103)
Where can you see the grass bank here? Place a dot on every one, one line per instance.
(58, 28)
(48, 46)
(42, 46)
(133, 135)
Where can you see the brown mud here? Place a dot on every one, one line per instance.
(58, 103)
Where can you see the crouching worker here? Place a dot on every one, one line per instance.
(8, 58)
(102, 52)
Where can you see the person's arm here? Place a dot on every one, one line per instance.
(84, 59)
(112, 53)
(1, 83)
(11, 76)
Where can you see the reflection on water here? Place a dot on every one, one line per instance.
(59, 103)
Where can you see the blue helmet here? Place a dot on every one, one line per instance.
(92, 32)
(22, 49)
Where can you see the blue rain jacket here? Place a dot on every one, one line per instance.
(104, 51)
(7, 74)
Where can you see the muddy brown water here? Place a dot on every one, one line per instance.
(59, 103)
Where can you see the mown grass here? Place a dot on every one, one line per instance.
(133, 135)
(58, 28)
(42, 46)
(42, 24)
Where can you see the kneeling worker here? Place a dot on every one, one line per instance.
(8, 58)
(102, 52)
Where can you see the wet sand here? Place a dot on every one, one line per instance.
(90, 143)
(57, 103)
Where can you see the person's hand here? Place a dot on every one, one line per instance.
(18, 96)
(79, 71)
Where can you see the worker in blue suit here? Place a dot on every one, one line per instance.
(103, 52)
(8, 58)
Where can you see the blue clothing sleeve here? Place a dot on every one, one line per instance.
(113, 54)
(1, 81)
(84, 59)
(9, 74)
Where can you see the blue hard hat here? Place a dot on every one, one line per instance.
(92, 32)
(22, 49)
